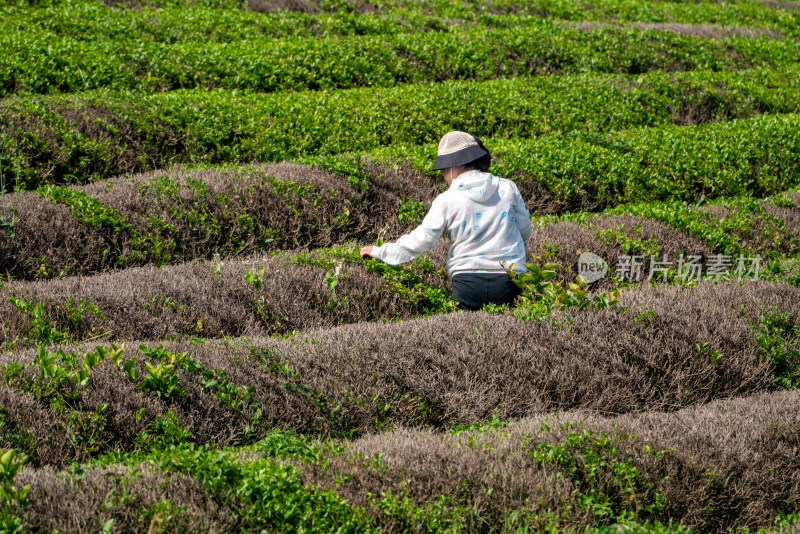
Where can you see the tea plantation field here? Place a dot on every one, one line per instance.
(190, 342)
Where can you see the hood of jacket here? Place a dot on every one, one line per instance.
(476, 185)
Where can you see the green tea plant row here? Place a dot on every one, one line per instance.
(741, 13)
(350, 17)
(101, 134)
(588, 171)
(47, 63)
(183, 22)
(193, 22)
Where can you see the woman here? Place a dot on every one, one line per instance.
(484, 217)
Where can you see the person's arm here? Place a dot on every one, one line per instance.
(411, 246)
(521, 216)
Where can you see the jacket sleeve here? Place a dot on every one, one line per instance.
(522, 216)
(411, 246)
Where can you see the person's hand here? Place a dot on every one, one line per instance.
(366, 251)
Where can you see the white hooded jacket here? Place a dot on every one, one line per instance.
(485, 218)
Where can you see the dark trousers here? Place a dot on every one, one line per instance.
(473, 290)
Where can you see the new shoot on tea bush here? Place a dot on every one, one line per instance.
(540, 296)
(10, 496)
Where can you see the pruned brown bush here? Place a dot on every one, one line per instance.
(644, 355)
(538, 199)
(328, 211)
(309, 6)
(271, 6)
(772, 232)
(706, 31)
(667, 239)
(452, 369)
(50, 437)
(138, 498)
(610, 237)
(789, 216)
(205, 298)
(712, 31)
(647, 241)
(727, 464)
(782, 5)
(465, 366)
(774, 237)
(195, 299)
(715, 210)
(136, 419)
(260, 6)
(47, 234)
(743, 450)
(180, 215)
(565, 241)
(29, 425)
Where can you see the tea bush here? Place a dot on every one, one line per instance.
(231, 20)
(43, 62)
(745, 13)
(100, 134)
(588, 171)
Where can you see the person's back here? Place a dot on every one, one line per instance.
(484, 217)
(481, 213)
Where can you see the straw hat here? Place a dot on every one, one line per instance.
(458, 148)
